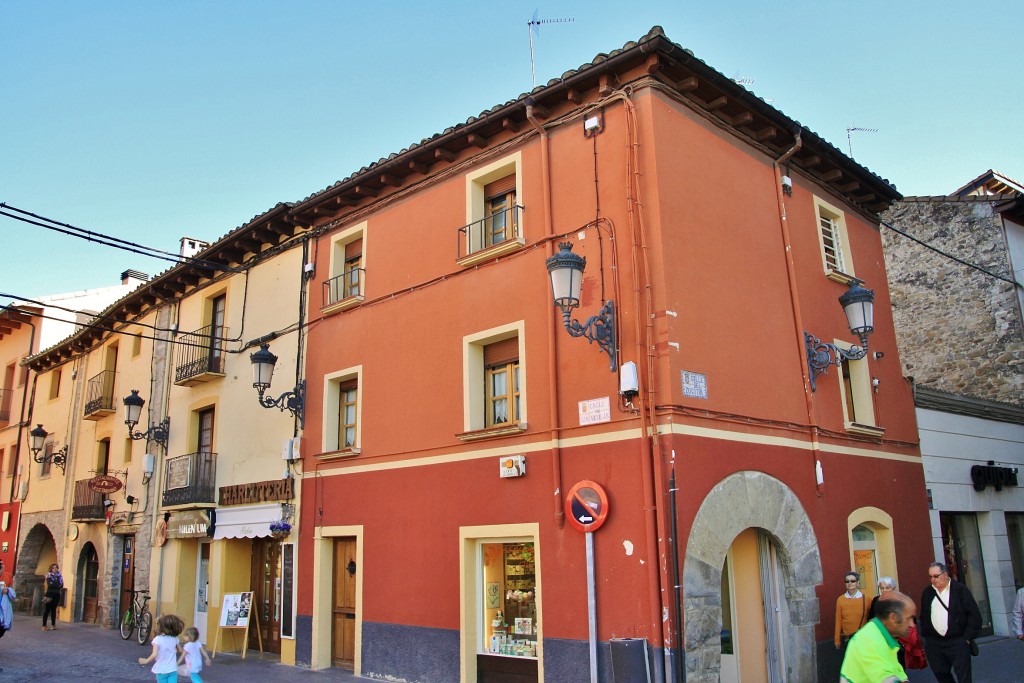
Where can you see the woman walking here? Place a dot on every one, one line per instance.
(54, 584)
(7, 597)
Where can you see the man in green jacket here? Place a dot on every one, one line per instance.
(871, 654)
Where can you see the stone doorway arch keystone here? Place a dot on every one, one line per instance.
(745, 500)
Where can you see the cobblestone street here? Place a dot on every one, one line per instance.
(83, 652)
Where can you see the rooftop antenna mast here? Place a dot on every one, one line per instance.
(534, 26)
(849, 138)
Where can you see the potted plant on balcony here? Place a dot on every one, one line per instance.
(280, 529)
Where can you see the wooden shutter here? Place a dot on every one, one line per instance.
(500, 187)
(354, 249)
(501, 352)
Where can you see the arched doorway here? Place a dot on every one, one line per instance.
(38, 551)
(769, 523)
(88, 584)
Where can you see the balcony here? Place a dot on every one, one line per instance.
(88, 504)
(99, 396)
(344, 291)
(6, 398)
(191, 480)
(491, 236)
(199, 356)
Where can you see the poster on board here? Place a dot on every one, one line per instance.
(235, 612)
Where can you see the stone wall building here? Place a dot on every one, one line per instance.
(954, 265)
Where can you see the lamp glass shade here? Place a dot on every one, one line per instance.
(262, 367)
(38, 438)
(566, 271)
(859, 305)
(133, 407)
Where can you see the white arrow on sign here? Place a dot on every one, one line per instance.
(586, 519)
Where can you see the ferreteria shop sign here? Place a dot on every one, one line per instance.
(188, 524)
(257, 492)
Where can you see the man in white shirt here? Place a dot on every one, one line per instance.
(950, 621)
(1018, 615)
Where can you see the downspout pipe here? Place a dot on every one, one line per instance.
(23, 421)
(549, 231)
(794, 298)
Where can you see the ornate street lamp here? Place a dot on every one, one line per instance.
(263, 362)
(133, 411)
(859, 305)
(566, 271)
(37, 438)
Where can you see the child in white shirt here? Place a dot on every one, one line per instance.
(192, 656)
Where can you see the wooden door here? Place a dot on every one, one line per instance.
(90, 567)
(266, 598)
(127, 575)
(343, 632)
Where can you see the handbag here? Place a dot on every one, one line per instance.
(47, 600)
(974, 647)
(913, 650)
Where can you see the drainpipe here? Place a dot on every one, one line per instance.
(556, 449)
(22, 421)
(794, 298)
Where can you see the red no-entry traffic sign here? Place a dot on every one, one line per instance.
(587, 506)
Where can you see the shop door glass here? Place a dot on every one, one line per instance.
(202, 588)
(961, 544)
(266, 586)
(1015, 538)
(127, 574)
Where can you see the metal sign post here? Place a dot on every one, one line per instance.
(591, 606)
(587, 509)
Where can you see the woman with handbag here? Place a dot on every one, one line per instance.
(54, 584)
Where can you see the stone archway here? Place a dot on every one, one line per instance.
(39, 542)
(740, 501)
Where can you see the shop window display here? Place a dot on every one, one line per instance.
(510, 600)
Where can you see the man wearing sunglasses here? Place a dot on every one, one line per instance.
(950, 621)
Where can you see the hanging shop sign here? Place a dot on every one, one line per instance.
(990, 475)
(586, 506)
(188, 524)
(105, 483)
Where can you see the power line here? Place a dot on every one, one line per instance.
(108, 240)
(950, 256)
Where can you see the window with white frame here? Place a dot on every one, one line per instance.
(493, 386)
(494, 211)
(834, 241)
(342, 398)
(345, 284)
(855, 390)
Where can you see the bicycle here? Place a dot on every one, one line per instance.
(137, 617)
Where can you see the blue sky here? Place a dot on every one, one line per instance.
(150, 121)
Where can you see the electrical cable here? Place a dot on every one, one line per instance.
(108, 240)
(950, 256)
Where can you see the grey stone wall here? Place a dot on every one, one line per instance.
(959, 330)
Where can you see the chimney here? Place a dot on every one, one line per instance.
(190, 246)
(133, 277)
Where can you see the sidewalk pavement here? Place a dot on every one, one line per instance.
(77, 652)
(1001, 660)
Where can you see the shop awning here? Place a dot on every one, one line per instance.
(250, 521)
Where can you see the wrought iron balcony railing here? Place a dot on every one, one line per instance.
(498, 228)
(88, 504)
(99, 395)
(191, 480)
(348, 285)
(199, 355)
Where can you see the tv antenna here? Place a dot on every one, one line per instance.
(853, 129)
(739, 80)
(534, 25)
